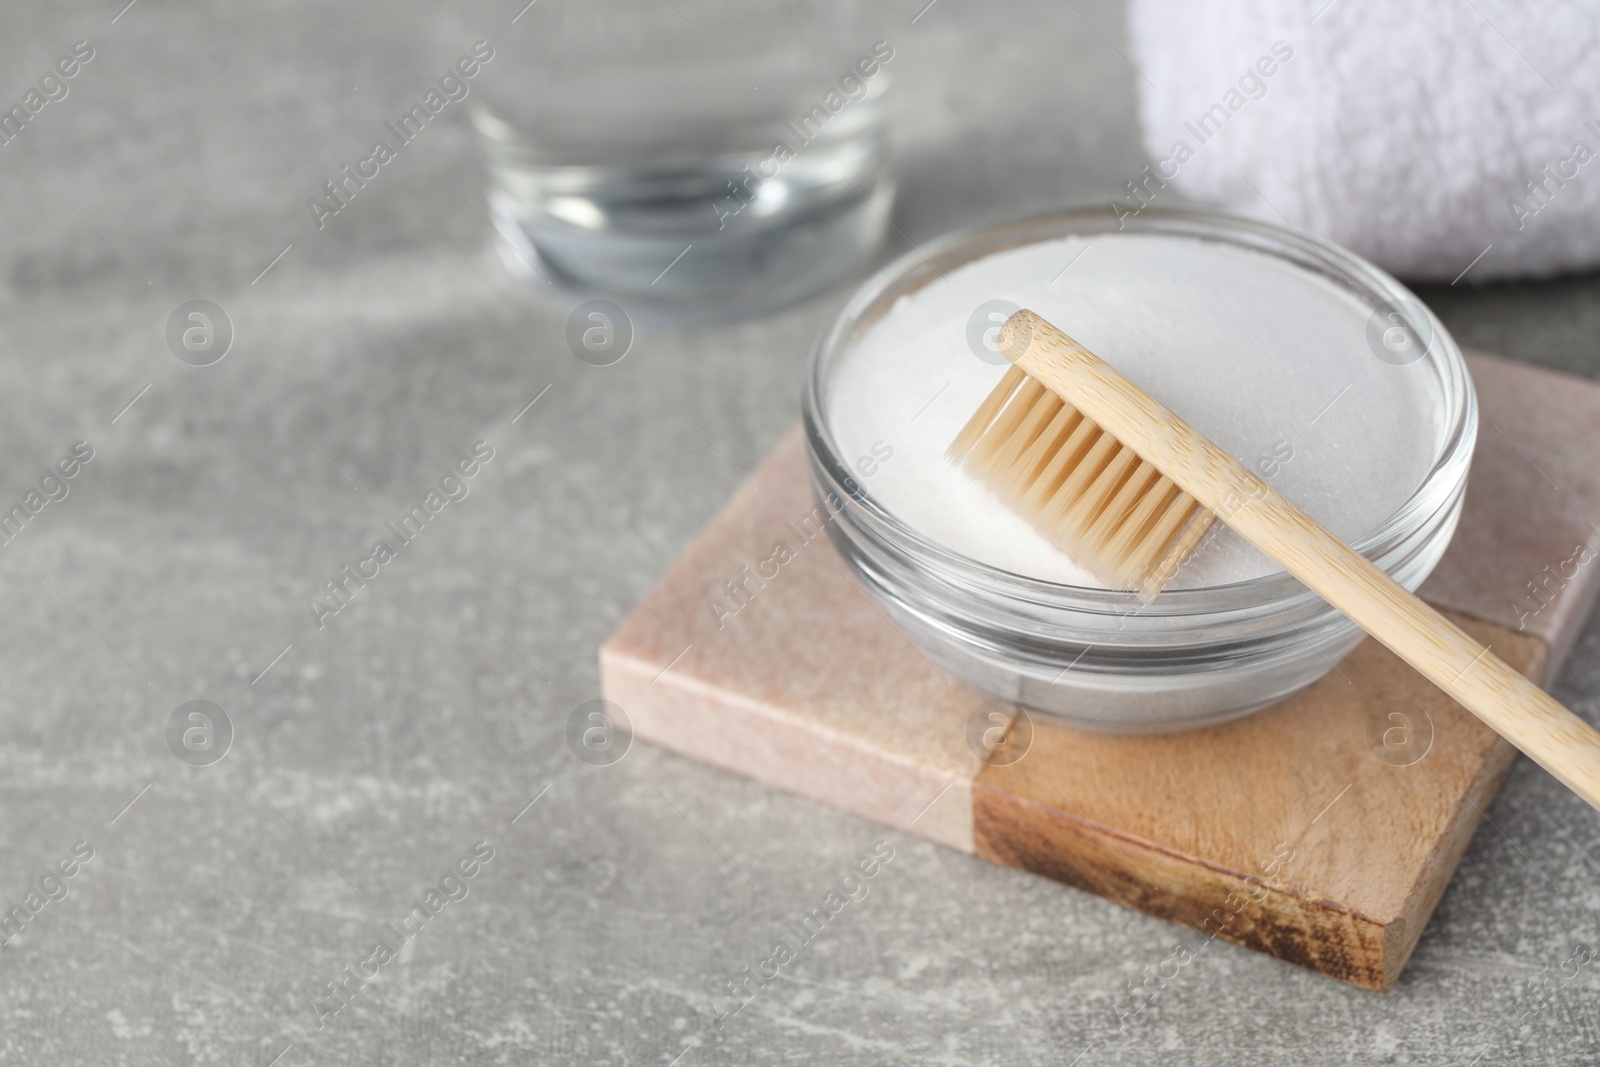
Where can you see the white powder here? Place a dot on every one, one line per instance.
(1265, 358)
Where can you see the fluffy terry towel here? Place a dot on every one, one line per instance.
(1426, 135)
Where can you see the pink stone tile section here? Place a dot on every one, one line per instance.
(1538, 445)
(806, 686)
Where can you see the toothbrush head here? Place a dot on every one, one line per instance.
(1113, 512)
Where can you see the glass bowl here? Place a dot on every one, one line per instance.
(1098, 658)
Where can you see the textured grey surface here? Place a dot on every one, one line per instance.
(376, 752)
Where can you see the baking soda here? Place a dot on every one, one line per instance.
(1269, 360)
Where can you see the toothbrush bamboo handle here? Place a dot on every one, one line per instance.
(1480, 681)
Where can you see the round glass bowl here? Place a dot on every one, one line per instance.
(1098, 658)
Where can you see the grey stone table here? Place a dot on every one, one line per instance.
(370, 756)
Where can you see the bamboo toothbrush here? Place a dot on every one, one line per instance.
(1129, 489)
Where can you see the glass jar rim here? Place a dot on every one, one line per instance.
(1374, 286)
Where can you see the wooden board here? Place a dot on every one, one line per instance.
(1321, 831)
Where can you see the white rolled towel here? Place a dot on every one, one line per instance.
(1428, 135)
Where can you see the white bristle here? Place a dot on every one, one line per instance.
(1112, 512)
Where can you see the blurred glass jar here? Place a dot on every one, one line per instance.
(697, 160)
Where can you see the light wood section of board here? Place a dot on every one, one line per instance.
(1322, 831)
